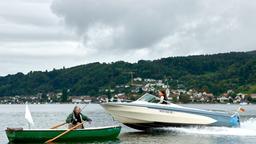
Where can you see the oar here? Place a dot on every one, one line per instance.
(67, 131)
(56, 126)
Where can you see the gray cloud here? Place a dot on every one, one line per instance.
(167, 27)
(33, 38)
(134, 24)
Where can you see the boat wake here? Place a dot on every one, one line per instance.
(247, 128)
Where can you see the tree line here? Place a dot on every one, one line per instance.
(212, 73)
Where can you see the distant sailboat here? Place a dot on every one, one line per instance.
(28, 116)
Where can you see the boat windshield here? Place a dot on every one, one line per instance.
(149, 98)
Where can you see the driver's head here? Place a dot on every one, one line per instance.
(161, 93)
(77, 110)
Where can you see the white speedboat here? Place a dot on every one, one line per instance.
(146, 113)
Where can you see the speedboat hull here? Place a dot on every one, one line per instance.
(148, 115)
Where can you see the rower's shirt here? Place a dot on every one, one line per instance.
(74, 119)
(78, 118)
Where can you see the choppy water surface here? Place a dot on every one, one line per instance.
(46, 116)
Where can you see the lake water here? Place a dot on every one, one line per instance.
(47, 115)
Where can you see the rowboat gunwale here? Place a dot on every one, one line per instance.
(85, 129)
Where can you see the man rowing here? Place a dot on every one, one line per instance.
(76, 117)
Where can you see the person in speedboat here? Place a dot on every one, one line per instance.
(163, 97)
(77, 117)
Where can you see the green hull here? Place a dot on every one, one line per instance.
(81, 135)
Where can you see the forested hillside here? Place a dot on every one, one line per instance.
(214, 73)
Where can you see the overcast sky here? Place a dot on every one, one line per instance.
(47, 34)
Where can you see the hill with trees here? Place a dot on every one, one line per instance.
(213, 73)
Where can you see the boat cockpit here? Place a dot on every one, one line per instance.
(149, 98)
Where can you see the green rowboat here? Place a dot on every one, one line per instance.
(81, 135)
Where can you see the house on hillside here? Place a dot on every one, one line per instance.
(80, 99)
(253, 96)
(241, 95)
(102, 99)
(208, 97)
(223, 99)
(149, 80)
(138, 79)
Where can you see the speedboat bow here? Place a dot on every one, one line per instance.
(146, 113)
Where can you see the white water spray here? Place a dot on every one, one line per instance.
(247, 128)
